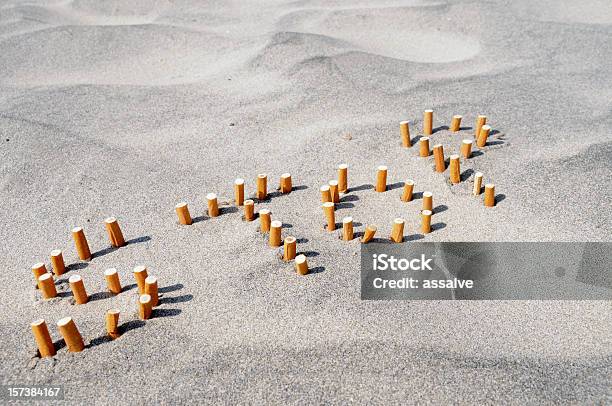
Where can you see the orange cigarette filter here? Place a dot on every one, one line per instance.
(428, 201)
(140, 274)
(239, 191)
(368, 234)
(78, 289)
(477, 183)
(112, 281)
(38, 269)
(81, 244)
(328, 209)
(275, 234)
(397, 232)
(57, 262)
(405, 133)
(343, 178)
(426, 221)
(285, 183)
(484, 134)
(455, 171)
(182, 211)
(438, 152)
(47, 286)
(408, 189)
(347, 228)
(114, 232)
(43, 338)
(489, 195)
(265, 219)
(289, 248)
(213, 206)
(249, 210)
(71, 334)
(301, 265)
(466, 148)
(112, 323)
(428, 122)
(424, 147)
(381, 179)
(151, 289)
(262, 186)
(480, 121)
(333, 191)
(326, 194)
(145, 308)
(455, 123)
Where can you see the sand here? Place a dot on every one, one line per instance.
(124, 109)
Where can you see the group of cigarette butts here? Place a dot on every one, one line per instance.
(147, 288)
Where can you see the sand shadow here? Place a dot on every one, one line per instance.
(396, 185)
(175, 299)
(438, 226)
(166, 312)
(365, 186)
(170, 288)
(439, 209)
(465, 175)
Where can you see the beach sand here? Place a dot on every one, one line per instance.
(114, 108)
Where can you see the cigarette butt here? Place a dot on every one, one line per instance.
(262, 186)
(428, 122)
(151, 289)
(71, 334)
(426, 221)
(455, 171)
(466, 148)
(408, 189)
(112, 281)
(249, 210)
(301, 265)
(285, 183)
(424, 147)
(78, 289)
(114, 232)
(489, 195)
(140, 274)
(480, 121)
(325, 194)
(289, 248)
(239, 191)
(381, 179)
(328, 208)
(333, 191)
(477, 183)
(275, 234)
(112, 323)
(81, 244)
(397, 233)
(484, 134)
(57, 262)
(342, 178)
(47, 286)
(38, 269)
(264, 220)
(455, 123)
(405, 133)
(368, 234)
(182, 211)
(43, 338)
(428, 201)
(144, 307)
(438, 152)
(347, 228)
(213, 206)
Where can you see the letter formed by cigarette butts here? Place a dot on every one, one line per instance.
(182, 211)
(78, 289)
(239, 191)
(112, 281)
(262, 186)
(249, 210)
(405, 134)
(438, 152)
(213, 206)
(381, 179)
(343, 178)
(81, 244)
(347, 228)
(112, 323)
(57, 262)
(289, 249)
(455, 123)
(408, 189)
(428, 122)
(71, 334)
(114, 232)
(301, 265)
(368, 234)
(43, 338)
(285, 183)
(397, 233)
(328, 209)
(424, 147)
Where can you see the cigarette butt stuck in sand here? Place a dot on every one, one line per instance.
(46, 284)
(145, 307)
(397, 232)
(325, 194)
(151, 289)
(112, 281)
(368, 234)
(57, 262)
(114, 232)
(285, 183)
(347, 228)
(262, 186)
(477, 183)
(483, 136)
(428, 122)
(38, 269)
(289, 248)
(408, 189)
(112, 323)
(424, 147)
(454, 169)
(480, 121)
(427, 201)
(71, 334)
(455, 123)
(381, 179)
(466, 148)
(426, 221)
(81, 244)
(264, 220)
(213, 205)
(333, 191)
(328, 209)
(239, 191)
(182, 211)
(249, 210)
(438, 152)
(489, 195)
(78, 289)
(43, 338)
(140, 274)
(301, 265)
(275, 234)
(343, 178)
(405, 134)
